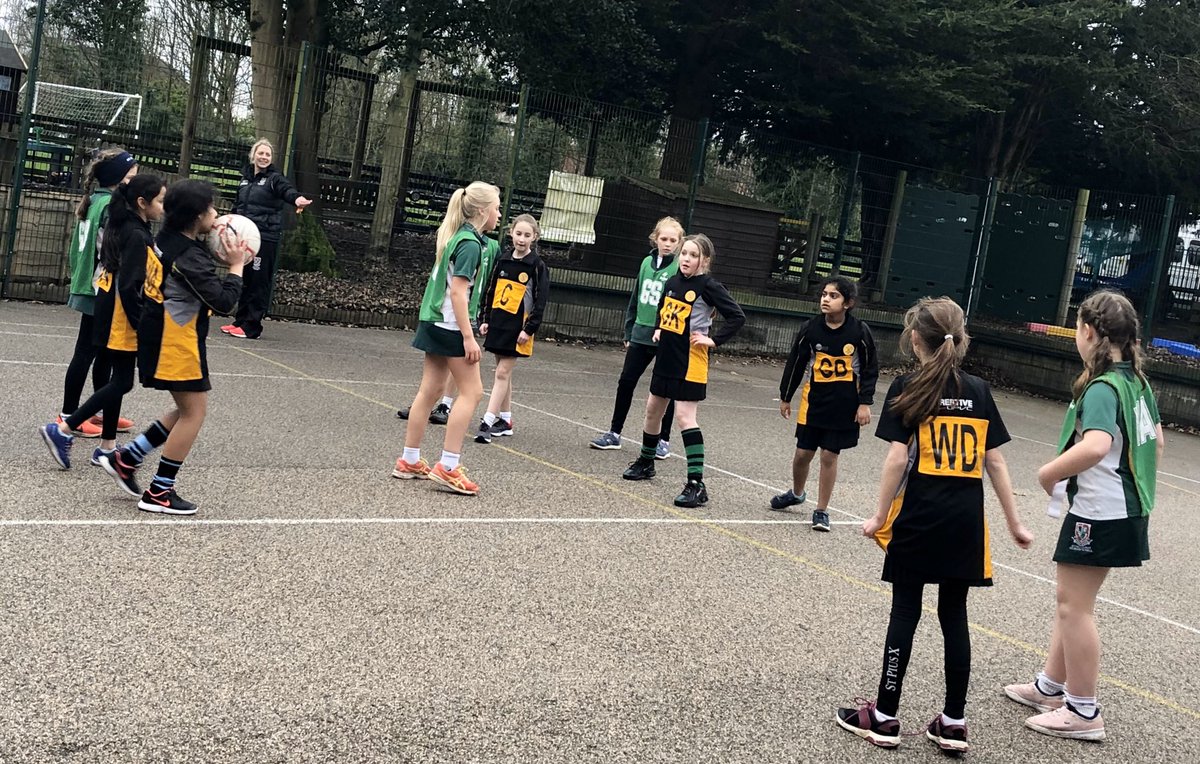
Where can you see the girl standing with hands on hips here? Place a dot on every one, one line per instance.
(689, 301)
(944, 432)
(445, 335)
(260, 197)
(1111, 442)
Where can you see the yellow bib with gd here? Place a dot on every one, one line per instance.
(832, 368)
(673, 317)
(510, 296)
(952, 446)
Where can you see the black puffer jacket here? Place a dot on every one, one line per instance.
(260, 197)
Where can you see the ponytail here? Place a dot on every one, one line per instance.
(465, 204)
(89, 178)
(1111, 315)
(940, 328)
(123, 208)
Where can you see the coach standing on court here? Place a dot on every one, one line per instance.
(260, 197)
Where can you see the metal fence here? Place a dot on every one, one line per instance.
(382, 151)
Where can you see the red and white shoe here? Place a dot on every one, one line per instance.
(235, 331)
(227, 328)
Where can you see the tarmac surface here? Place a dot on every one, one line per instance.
(318, 610)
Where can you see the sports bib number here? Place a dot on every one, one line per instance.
(152, 287)
(673, 316)
(651, 292)
(510, 295)
(832, 368)
(103, 280)
(953, 447)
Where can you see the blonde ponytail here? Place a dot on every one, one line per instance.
(465, 205)
(941, 329)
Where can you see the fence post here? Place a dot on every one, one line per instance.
(697, 173)
(1073, 247)
(889, 238)
(981, 250)
(301, 74)
(844, 223)
(518, 136)
(195, 99)
(812, 250)
(1165, 242)
(14, 201)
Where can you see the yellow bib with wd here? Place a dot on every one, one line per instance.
(952, 446)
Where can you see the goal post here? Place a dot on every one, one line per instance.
(103, 107)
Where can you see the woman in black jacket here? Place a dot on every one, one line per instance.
(261, 196)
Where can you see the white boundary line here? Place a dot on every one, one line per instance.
(858, 519)
(302, 521)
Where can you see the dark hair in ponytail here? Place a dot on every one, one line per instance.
(1116, 324)
(89, 178)
(185, 202)
(123, 208)
(942, 331)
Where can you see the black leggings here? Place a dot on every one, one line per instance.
(84, 358)
(906, 614)
(108, 398)
(638, 358)
(256, 289)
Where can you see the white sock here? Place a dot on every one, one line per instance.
(412, 455)
(447, 401)
(946, 720)
(489, 418)
(449, 460)
(881, 716)
(506, 416)
(1085, 707)
(1047, 686)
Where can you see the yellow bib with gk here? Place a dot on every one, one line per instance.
(673, 316)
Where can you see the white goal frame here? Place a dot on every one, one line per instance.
(130, 101)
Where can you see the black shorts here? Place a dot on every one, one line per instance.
(810, 438)
(1123, 543)
(677, 389)
(435, 340)
(175, 386)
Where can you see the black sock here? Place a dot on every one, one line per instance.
(164, 479)
(157, 433)
(649, 447)
(693, 446)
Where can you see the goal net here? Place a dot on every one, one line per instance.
(101, 107)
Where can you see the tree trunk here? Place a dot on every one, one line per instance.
(394, 162)
(271, 71)
(306, 25)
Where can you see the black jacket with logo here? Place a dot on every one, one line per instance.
(261, 196)
(836, 369)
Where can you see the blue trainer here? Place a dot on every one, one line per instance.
(96, 454)
(662, 450)
(59, 444)
(609, 441)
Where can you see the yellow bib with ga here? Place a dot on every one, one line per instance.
(952, 446)
(509, 297)
(674, 314)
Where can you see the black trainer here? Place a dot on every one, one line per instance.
(820, 521)
(694, 494)
(485, 433)
(501, 427)
(165, 502)
(402, 413)
(788, 498)
(639, 470)
(116, 464)
(861, 721)
(440, 414)
(948, 737)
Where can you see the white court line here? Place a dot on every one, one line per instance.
(285, 521)
(31, 334)
(859, 519)
(39, 326)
